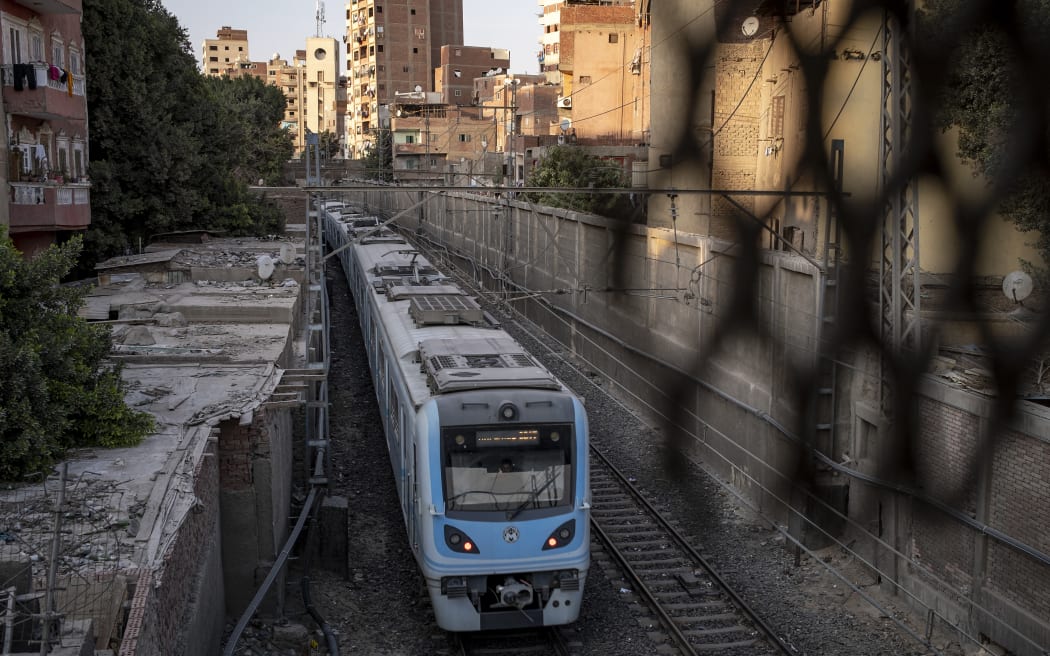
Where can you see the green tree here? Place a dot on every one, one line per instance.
(572, 166)
(171, 149)
(379, 160)
(59, 391)
(986, 95)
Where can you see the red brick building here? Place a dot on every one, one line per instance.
(45, 166)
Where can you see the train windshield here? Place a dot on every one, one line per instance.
(508, 471)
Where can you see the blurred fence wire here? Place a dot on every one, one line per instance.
(62, 570)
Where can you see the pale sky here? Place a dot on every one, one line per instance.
(273, 26)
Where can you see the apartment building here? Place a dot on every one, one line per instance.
(323, 88)
(436, 143)
(392, 46)
(46, 159)
(290, 78)
(460, 65)
(226, 54)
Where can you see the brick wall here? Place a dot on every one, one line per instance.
(1020, 507)
(163, 608)
(235, 456)
(1005, 489)
(737, 108)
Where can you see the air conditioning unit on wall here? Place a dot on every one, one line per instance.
(565, 103)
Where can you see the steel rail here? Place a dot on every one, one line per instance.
(684, 544)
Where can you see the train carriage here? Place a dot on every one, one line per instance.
(488, 448)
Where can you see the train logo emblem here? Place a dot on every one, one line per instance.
(510, 535)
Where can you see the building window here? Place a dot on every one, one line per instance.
(58, 52)
(404, 69)
(465, 138)
(420, 33)
(213, 59)
(585, 79)
(380, 67)
(36, 46)
(410, 139)
(413, 12)
(458, 52)
(213, 71)
(415, 51)
(370, 14)
(380, 47)
(240, 48)
(226, 47)
(75, 66)
(458, 93)
(614, 38)
(15, 48)
(213, 47)
(379, 9)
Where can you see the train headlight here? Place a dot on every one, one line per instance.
(555, 436)
(458, 541)
(561, 536)
(460, 440)
(508, 412)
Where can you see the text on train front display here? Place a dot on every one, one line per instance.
(508, 437)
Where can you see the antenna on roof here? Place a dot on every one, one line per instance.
(319, 14)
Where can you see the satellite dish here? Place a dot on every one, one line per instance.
(565, 124)
(287, 253)
(418, 88)
(1017, 285)
(750, 26)
(264, 266)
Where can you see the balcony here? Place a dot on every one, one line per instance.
(50, 99)
(47, 206)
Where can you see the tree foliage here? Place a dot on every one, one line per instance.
(572, 166)
(58, 390)
(987, 95)
(171, 149)
(379, 160)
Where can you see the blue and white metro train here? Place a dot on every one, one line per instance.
(489, 449)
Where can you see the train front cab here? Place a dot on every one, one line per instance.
(508, 536)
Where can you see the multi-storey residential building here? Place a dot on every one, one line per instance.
(392, 46)
(435, 143)
(550, 48)
(322, 82)
(45, 166)
(459, 65)
(224, 54)
(604, 89)
(290, 78)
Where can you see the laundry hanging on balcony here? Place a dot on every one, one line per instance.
(22, 73)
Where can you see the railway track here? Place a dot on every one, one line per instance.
(693, 608)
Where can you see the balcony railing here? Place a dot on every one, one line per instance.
(46, 205)
(49, 99)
